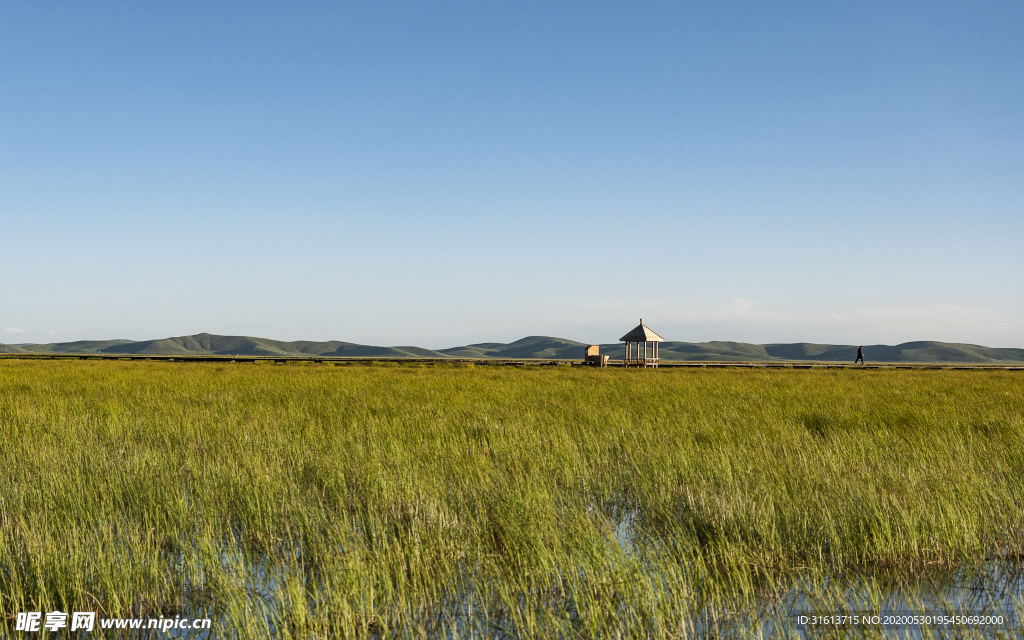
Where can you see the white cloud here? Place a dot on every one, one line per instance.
(13, 330)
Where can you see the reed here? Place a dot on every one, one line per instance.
(302, 501)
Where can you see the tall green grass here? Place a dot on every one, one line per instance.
(421, 501)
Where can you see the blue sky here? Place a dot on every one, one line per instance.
(446, 173)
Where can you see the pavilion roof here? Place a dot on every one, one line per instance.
(642, 333)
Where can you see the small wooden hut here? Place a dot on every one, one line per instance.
(641, 347)
(592, 356)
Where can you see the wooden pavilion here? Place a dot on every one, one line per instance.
(645, 341)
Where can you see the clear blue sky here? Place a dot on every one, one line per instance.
(444, 173)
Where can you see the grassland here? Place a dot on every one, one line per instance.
(302, 501)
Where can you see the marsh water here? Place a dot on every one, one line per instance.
(980, 601)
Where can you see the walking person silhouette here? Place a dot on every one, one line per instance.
(860, 355)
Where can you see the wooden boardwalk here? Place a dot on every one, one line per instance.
(505, 361)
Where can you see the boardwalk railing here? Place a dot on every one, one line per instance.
(281, 359)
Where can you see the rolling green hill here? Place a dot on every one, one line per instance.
(921, 351)
(81, 346)
(531, 347)
(537, 347)
(207, 344)
(803, 351)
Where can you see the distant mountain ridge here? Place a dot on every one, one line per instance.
(536, 347)
(209, 345)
